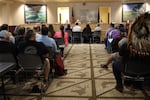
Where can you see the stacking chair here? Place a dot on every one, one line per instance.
(70, 35)
(29, 63)
(77, 37)
(137, 69)
(60, 42)
(52, 61)
(9, 57)
(96, 37)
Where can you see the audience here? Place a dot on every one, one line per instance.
(6, 46)
(37, 30)
(48, 41)
(137, 46)
(86, 34)
(4, 30)
(69, 31)
(115, 35)
(62, 34)
(97, 28)
(77, 28)
(107, 34)
(30, 46)
(114, 56)
(52, 31)
(19, 35)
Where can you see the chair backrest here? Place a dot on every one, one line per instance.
(51, 55)
(138, 67)
(29, 61)
(7, 57)
(96, 33)
(60, 42)
(69, 32)
(77, 34)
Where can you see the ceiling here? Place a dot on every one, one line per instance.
(57, 1)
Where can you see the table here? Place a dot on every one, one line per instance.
(4, 68)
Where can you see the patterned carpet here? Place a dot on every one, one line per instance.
(85, 79)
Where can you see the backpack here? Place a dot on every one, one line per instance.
(59, 65)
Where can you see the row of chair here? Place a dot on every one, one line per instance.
(77, 37)
(27, 66)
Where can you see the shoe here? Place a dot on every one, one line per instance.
(104, 66)
(44, 86)
(65, 71)
(120, 89)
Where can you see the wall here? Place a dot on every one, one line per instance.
(13, 13)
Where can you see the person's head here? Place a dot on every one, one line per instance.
(87, 25)
(44, 30)
(4, 35)
(112, 25)
(51, 29)
(77, 23)
(68, 26)
(139, 33)
(62, 29)
(37, 28)
(21, 30)
(98, 24)
(4, 27)
(30, 35)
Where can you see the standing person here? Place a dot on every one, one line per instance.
(31, 46)
(86, 34)
(62, 34)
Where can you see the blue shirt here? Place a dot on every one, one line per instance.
(49, 42)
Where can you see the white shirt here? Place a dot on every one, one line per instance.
(76, 28)
(97, 28)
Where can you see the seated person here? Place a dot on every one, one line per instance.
(111, 27)
(50, 42)
(77, 28)
(69, 31)
(138, 44)
(86, 33)
(47, 41)
(20, 34)
(114, 56)
(30, 46)
(97, 28)
(4, 30)
(62, 34)
(6, 46)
